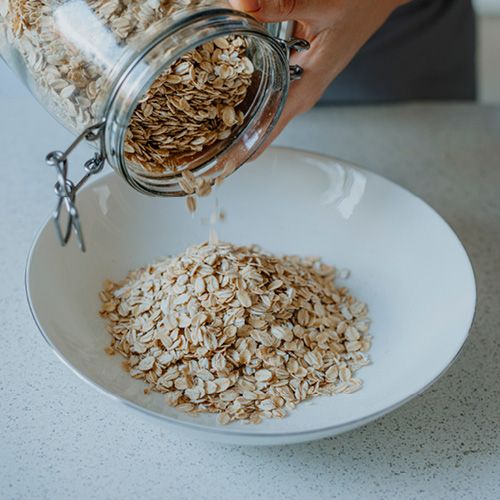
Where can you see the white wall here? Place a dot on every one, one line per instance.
(489, 58)
(487, 7)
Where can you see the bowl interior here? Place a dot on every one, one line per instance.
(406, 263)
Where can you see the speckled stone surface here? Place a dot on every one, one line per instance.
(61, 439)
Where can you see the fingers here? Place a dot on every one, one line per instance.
(282, 10)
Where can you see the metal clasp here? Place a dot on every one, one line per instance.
(284, 33)
(297, 45)
(66, 189)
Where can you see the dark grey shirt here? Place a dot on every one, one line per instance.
(425, 50)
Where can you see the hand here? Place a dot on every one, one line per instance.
(336, 30)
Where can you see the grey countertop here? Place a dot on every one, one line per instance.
(61, 439)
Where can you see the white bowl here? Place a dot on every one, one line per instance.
(406, 262)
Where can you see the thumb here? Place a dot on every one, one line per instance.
(277, 10)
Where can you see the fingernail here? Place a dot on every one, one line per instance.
(250, 5)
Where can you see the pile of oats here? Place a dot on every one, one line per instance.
(191, 106)
(236, 331)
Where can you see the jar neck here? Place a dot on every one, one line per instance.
(142, 69)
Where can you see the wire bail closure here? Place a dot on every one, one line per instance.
(66, 189)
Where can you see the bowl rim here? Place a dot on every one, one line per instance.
(232, 432)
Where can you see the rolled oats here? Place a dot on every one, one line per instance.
(237, 331)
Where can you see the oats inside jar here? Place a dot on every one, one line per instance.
(192, 105)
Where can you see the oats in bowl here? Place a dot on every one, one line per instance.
(236, 331)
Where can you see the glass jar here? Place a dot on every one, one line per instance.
(160, 87)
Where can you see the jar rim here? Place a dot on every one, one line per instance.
(136, 78)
